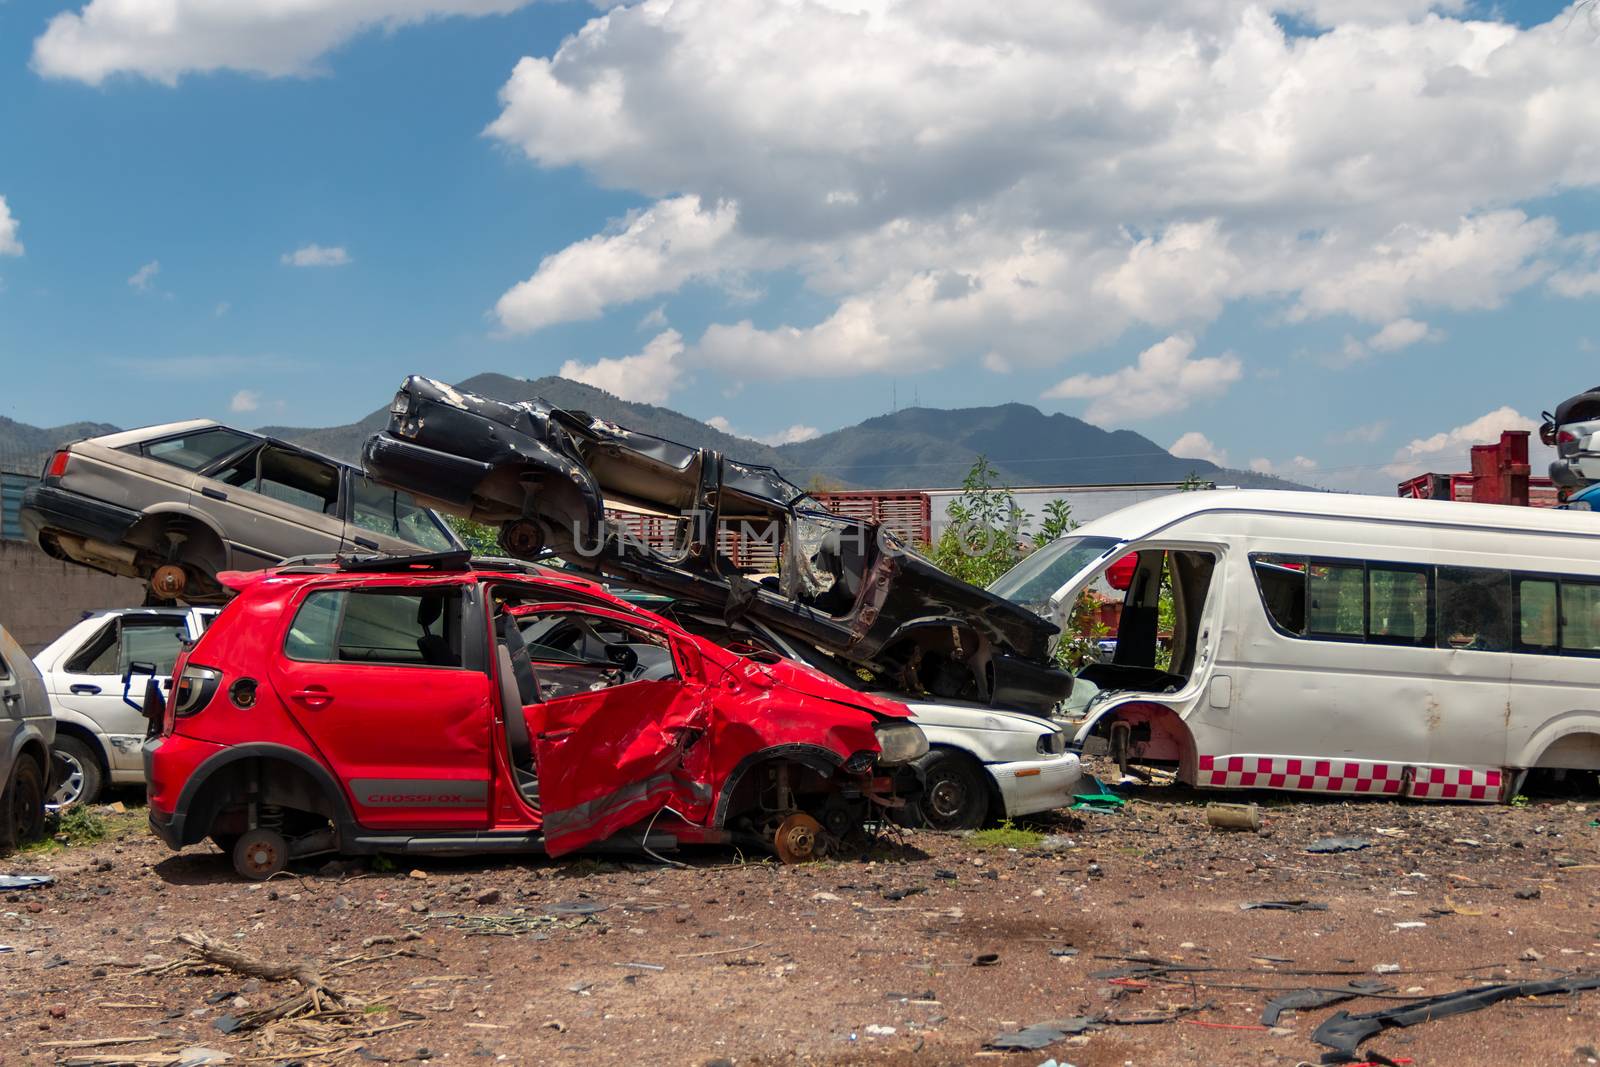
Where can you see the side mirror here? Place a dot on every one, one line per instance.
(147, 670)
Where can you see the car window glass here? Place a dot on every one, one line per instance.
(408, 627)
(1397, 604)
(1282, 582)
(97, 655)
(5, 670)
(1334, 591)
(573, 652)
(197, 450)
(1580, 617)
(1536, 614)
(1474, 609)
(154, 641)
(395, 514)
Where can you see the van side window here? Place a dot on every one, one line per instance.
(1580, 617)
(1537, 619)
(1335, 594)
(1283, 590)
(1474, 609)
(1398, 604)
(404, 627)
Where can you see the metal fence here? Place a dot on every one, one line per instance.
(12, 485)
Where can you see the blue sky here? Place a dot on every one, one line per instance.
(1331, 243)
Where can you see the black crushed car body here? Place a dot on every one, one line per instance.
(546, 477)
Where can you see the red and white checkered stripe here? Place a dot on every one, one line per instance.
(1354, 777)
(1456, 783)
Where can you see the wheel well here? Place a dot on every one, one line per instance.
(991, 788)
(1573, 752)
(220, 805)
(1157, 734)
(72, 729)
(35, 751)
(813, 769)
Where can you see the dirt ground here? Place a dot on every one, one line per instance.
(919, 952)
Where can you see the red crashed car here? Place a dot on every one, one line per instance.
(436, 704)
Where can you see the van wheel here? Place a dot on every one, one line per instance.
(953, 797)
(83, 779)
(260, 854)
(22, 804)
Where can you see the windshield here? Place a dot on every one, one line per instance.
(1036, 579)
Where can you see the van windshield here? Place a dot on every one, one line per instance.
(1038, 577)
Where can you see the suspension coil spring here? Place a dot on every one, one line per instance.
(270, 817)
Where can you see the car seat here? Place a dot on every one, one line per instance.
(518, 689)
(435, 649)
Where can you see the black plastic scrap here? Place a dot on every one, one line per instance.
(1339, 844)
(1319, 997)
(1344, 1032)
(1283, 905)
(1040, 1035)
(25, 881)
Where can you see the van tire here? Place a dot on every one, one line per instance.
(22, 804)
(953, 793)
(87, 779)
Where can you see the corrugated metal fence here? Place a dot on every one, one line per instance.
(11, 487)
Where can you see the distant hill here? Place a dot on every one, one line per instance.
(911, 448)
(23, 448)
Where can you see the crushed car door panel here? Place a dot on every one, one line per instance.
(614, 722)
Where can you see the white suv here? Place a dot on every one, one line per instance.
(95, 694)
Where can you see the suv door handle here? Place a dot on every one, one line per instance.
(84, 690)
(313, 696)
(364, 542)
(214, 494)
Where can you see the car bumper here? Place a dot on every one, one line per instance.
(423, 471)
(1031, 786)
(48, 507)
(1572, 472)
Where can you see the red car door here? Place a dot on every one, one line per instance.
(616, 714)
(377, 677)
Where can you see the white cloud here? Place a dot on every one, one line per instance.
(165, 39)
(793, 435)
(654, 251)
(315, 255)
(143, 278)
(245, 400)
(1297, 466)
(1196, 445)
(1451, 450)
(995, 363)
(1402, 333)
(1163, 380)
(953, 180)
(654, 319)
(648, 377)
(9, 245)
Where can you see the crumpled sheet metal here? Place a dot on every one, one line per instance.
(1319, 997)
(1344, 1033)
(26, 881)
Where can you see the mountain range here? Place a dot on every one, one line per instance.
(911, 448)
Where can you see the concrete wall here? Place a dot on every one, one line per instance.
(40, 597)
(1088, 502)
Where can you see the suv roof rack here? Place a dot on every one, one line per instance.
(377, 563)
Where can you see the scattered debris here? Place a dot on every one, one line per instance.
(1344, 1032)
(1339, 844)
(1319, 997)
(575, 907)
(987, 959)
(1283, 905)
(1234, 816)
(26, 881)
(1040, 1035)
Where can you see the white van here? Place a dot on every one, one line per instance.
(1338, 644)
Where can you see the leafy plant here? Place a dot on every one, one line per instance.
(480, 537)
(1007, 835)
(982, 538)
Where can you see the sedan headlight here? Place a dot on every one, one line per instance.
(900, 742)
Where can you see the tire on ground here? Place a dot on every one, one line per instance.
(85, 762)
(954, 796)
(22, 803)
